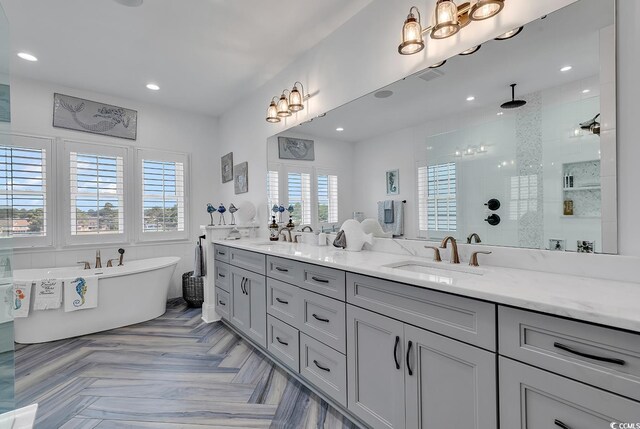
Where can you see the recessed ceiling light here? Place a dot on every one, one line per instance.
(566, 68)
(129, 3)
(586, 91)
(339, 129)
(27, 57)
(436, 65)
(500, 113)
(153, 86)
(471, 98)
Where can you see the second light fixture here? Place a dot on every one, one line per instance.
(448, 20)
(290, 102)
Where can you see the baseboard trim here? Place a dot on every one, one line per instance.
(299, 378)
(209, 314)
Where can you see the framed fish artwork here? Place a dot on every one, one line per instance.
(93, 117)
(298, 149)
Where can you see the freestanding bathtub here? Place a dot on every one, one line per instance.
(130, 294)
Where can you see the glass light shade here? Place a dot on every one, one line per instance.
(272, 113)
(485, 9)
(446, 24)
(283, 107)
(295, 100)
(412, 41)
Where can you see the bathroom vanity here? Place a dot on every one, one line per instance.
(396, 342)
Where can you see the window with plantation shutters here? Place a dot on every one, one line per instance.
(273, 190)
(327, 198)
(23, 192)
(162, 196)
(299, 196)
(437, 204)
(96, 193)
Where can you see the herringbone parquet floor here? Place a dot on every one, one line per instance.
(169, 373)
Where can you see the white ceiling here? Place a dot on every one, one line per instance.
(204, 54)
(532, 60)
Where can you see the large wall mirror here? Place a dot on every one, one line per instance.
(458, 149)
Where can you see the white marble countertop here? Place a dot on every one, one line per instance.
(609, 303)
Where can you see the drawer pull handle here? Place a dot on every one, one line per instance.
(221, 253)
(315, 316)
(319, 280)
(324, 368)
(221, 275)
(282, 342)
(247, 283)
(283, 270)
(395, 352)
(221, 303)
(560, 424)
(409, 354)
(588, 356)
(282, 301)
(243, 285)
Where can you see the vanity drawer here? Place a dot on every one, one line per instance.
(283, 342)
(251, 261)
(460, 318)
(283, 301)
(222, 275)
(323, 318)
(222, 302)
(324, 367)
(531, 398)
(604, 357)
(221, 253)
(323, 280)
(285, 270)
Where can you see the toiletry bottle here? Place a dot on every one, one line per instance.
(291, 225)
(273, 230)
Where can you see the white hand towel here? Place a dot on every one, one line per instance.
(80, 293)
(21, 298)
(48, 294)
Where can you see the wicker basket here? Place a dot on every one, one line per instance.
(193, 289)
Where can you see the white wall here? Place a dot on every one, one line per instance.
(356, 59)
(158, 128)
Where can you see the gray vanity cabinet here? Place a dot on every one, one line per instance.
(448, 383)
(375, 368)
(531, 398)
(248, 309)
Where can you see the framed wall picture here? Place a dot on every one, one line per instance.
(93, 117)
(298, 149)
(241, 178)
(227, 167)
(393, 182)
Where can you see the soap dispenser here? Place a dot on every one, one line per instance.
(273, 229)
(291, 225)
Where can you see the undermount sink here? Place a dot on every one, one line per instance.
(271, 243)
(429, 267)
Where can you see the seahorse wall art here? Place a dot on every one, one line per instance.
(81, 290)
(90, 116)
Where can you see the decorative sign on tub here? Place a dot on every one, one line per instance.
(94, 117)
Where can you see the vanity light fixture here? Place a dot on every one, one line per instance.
(27, 57)
(485, 9)
(272, 112)
(448, 20)
(509, 34)
(470, 50)
(436, 65)
(287, 104)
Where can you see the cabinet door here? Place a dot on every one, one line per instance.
(375, 368)
(239, 311)
(531, 398)
(448, 383)
(256, 288)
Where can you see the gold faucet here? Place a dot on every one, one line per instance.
(284, 228)
(436, 253)
(304, 228)
(474, 258)
(455, 258)
(98, 260)
(87, 265)
(472, 236)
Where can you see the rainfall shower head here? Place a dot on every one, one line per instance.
(513, 104)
